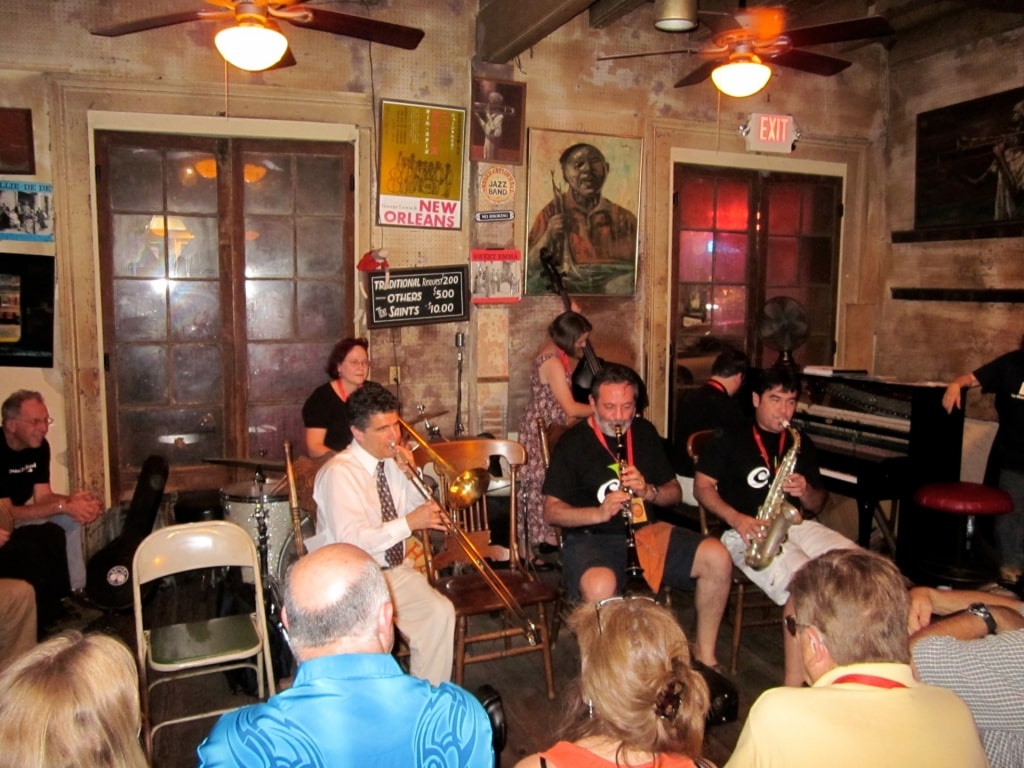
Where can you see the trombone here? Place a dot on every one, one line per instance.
(465, 489)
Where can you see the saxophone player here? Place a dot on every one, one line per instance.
(736, 473)
(584, 492)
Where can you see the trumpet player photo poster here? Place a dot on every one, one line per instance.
(583, 193)
(970, 163)
(422, 152)
(497, 127)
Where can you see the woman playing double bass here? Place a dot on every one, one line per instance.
(551, 399)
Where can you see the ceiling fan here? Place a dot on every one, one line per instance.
(254, 41)
(743, 41)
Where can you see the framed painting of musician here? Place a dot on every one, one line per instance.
(497, 131)
(970, 164)
(583, 193)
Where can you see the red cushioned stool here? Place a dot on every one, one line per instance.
(960, 553)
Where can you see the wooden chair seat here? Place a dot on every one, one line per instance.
(467, 588)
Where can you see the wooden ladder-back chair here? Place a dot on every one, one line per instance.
(740, 598)
(199, 647)
(465, 587)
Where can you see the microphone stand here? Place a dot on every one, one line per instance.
(460, 341)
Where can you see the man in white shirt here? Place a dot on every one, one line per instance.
(351, 493)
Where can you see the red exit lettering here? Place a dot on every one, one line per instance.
(774, 128)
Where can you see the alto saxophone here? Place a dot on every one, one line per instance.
(776, 513)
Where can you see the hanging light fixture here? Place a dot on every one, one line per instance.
(675, 15)
(255, 43)
(743, 75)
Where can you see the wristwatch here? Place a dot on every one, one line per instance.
(981, 610)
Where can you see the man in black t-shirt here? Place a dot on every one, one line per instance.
(586, 489)
(735, 472)
(1003, 376)
(38, 550)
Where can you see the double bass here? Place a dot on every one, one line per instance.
(590, 364)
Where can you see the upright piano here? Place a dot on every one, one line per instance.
(879, 440)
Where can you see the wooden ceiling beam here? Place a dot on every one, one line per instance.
(605, 12)
(504, 29)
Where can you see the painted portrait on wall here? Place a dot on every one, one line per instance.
(498, 127)
(583, 198)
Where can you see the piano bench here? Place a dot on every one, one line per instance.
(959, 560)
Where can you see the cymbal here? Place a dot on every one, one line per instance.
(249, 463)
(428, 415)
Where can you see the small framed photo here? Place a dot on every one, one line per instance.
(497, 130)
(17, 152)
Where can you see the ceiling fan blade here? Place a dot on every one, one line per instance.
(360, 27)
(612, 56)
(837, 32)
(153, 22)
(815, 63)
(699, 75)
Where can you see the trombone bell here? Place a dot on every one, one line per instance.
(468, 487)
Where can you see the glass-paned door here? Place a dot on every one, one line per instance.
(226, 279)
(743, 237)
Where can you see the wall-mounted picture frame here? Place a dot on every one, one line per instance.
(422, 153)
(17, 150)
(26, 310)
(497, 130)
(496, 275)
(583, 196)
(26, 211)
(970, 164)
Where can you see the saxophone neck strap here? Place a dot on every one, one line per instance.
(768, 461)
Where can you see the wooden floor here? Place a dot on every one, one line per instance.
(531, 718)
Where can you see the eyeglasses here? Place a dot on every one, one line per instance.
(617, 599)
(36, 422)
(792, 624)
(359, 363)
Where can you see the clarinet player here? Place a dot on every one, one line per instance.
(736, 472)
(584, 493)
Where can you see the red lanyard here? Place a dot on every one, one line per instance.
(343, 394)
(604, 441)
(764, 451)
(565, 361)
(872, 680)
(716, 385)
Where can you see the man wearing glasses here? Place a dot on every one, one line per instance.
(863, 706)
(43, 522)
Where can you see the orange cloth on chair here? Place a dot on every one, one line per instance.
(652, 549)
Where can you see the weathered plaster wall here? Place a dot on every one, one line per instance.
(939, 340)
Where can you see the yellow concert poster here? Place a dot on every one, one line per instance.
(421, 159)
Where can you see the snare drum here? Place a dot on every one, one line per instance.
(244, 504)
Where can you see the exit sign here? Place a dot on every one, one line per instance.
(771, 133)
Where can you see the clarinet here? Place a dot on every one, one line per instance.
(635, 584)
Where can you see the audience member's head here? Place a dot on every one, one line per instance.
(71, 701)
(641, 693)
(336, 601)
(850, 606)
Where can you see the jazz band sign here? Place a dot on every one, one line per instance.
(418, 296)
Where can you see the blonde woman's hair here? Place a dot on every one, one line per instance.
(636, 684)
(71, 702)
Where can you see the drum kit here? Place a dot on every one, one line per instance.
(261, 507)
